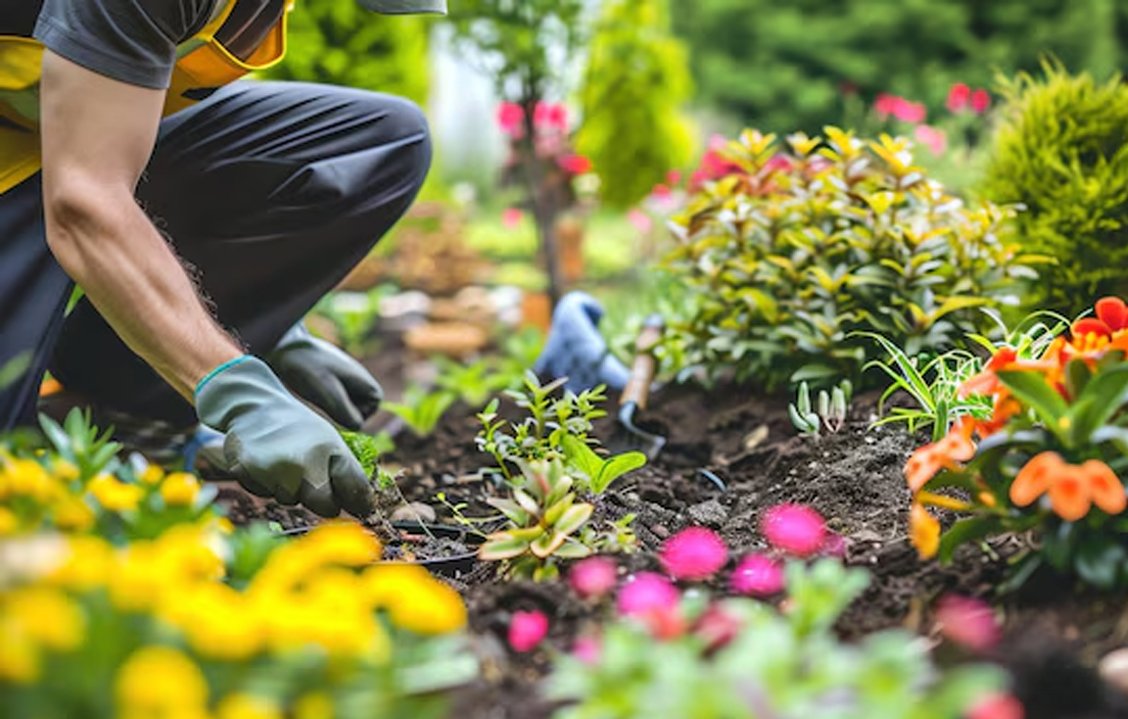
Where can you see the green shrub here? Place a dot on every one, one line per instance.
(635, 86)
(788, 257)
(1062, 151)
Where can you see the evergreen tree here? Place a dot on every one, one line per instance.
(635, 85)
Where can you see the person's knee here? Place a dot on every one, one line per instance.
(411, 125)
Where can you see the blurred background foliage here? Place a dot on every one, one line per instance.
(784, 66)
(340, 43)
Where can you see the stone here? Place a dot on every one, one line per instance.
(414, 512)
(709, 514)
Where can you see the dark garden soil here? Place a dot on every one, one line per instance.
(753, 460)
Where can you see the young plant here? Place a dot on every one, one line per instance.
(421, 410)
(794, 249)
(1048, 458)
(473, 383)
(830, 412)
(544, 518)
(368, 449)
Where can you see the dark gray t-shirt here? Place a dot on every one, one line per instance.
(132, 41)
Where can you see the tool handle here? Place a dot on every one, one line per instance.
(644, 367)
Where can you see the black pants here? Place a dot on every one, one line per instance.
(270, 192)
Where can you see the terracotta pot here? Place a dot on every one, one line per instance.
(536, 310)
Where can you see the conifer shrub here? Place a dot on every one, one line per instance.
(1061, 151)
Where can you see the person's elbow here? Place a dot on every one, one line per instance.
(80, 210)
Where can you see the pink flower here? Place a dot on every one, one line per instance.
(997, 706)
(647, 592)
(834, 545)
(980, 101)
(641, 221)
(900, 108)
(552, 116)
(757, 575)
(695, 553)
(575, 164)
(661, 191)
(511, 218)
(958, 97)
(594, 577)
(968, 622)
(527, 630)
(932, 137)
(794, 528)
(717, 627)
(673, 178)
(779, 163)
(511, 119)
(588, 650)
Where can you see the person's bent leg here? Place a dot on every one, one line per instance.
(33, 298)
(272, 192)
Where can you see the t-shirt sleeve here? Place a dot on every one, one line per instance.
(132, 41)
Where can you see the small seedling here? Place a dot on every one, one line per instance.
(829, 412)
(421, 411)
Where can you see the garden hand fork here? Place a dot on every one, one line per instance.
(629, 435)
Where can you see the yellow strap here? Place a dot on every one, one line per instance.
(21, 59)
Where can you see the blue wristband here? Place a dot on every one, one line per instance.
(225, 366)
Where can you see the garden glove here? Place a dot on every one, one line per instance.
(326, 377)
(278, 447)
(576, 350)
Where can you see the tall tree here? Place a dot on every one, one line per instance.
(526, 45)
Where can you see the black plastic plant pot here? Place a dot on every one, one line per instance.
(452, 566)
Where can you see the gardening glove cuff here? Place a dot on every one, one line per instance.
(327, 377)
(278, 447)
(576, 350)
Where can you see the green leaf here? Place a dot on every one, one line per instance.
(547, 544)
(616, 467)
(1033, 389)
(964, 531)
(502, 546)
(14, 368)
(574, 518)
(1098, 561)
(572, 549)
(1102, 397)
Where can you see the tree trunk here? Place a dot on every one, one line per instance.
(543, 198)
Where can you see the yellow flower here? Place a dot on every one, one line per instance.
(180, 489)
(27, 478)
(160, 681)
(19, 657)
(9, 522)
(217, 620)
(88, 564)
(315, 705)
(64, 470)
(151, 572)
(113, 494)
(46, 616)
(246, 706)
(73, 515)
(415, 600)
(333, 543)
(152, 475)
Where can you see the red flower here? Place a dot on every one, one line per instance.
(757, 575)
(575, 164)
(673, 178)
(935, 139)
(593, 577)
(980, 101)
(900, 108)
(968, 622)
(527, 630)
(552, 116)
(511, 119)
(959, 97)
(997, 706)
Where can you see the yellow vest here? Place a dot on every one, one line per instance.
(202, 64)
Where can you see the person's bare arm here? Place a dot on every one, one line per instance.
(97, 135)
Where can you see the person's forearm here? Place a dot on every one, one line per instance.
(109, 247)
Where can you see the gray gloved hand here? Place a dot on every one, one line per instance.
(278, 447)
(327, 377)
(576, 350)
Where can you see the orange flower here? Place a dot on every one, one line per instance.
(1112, 317)
(1073, 489)
(1105, 487)
(987, 382)
(926, 462)
(1006, 407)
(924, 531)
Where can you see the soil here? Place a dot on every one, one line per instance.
(1054, 635)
